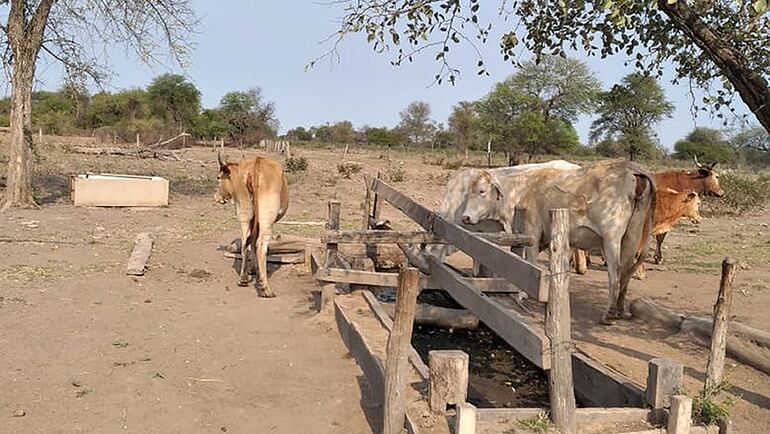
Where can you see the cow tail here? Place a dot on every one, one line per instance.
(252, 185)
(649, 217)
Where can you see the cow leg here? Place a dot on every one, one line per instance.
(263, 240)
(658, 245)
(247, 241)
(612, 256)
(580, 258)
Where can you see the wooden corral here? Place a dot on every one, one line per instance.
(615, 403)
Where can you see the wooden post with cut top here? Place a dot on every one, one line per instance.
(680, 416)
(448, 379)
(333, 224)
(557, 326)
(397, 359)
(716, 362)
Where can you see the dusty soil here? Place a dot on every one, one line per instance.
(86, 348)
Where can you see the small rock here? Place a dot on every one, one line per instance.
(32, 224)
(19, 413)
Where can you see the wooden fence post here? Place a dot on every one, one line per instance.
(558, 317)
(680, 417)
(716, 362)
(332, 224)
(399, 341)
(371, 249)
(448, 379)
(367, 203)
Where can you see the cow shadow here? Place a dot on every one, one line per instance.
(587, 301)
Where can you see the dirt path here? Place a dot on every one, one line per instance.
(87, 349)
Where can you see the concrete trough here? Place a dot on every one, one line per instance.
(106, 189)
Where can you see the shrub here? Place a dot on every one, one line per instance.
(454, 164)
(296, 164)
(396, 173)
(433, 160)
(706, 410)
(539, 424)
(743, 193)
(348, 169)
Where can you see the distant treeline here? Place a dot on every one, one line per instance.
(169, 105)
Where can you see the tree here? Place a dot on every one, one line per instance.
(707, 144)
(719, 41)
(627, 113)
(299, 133)
(416, 124)
(63, 31)
(532, 110)
(464, 126)
(380, 137)
(174, 99)
(210, 124)
(752, 138)
(248, 114)
(342, 132)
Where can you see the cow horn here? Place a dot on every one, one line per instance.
(219, 159)
(695, 158)
(713, 165)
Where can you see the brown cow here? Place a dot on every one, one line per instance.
(672, 206)
(703, 180)
(260, 193)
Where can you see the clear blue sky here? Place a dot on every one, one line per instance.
(267, 44)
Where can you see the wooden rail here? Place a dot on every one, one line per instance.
(418, 237)
(526, 276)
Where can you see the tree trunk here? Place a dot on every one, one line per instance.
(750, 85)
(18, 191)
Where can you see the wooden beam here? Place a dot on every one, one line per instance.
(334, 224)
(509, 325)
(399, 342)
(617, 415)
(423, 216)
(557, 326)
(137, 262)
(418, 237)
(528, 277)
(373, 278)
(428, 314)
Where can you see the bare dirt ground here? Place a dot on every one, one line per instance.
(86, 348)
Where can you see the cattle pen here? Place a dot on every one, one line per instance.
(434, 394)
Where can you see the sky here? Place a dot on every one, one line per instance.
(268, 43)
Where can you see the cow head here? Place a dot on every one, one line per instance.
(709, 178)
(690, 204)
(224, 184)
(484, 199)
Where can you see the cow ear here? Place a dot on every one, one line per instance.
(691, 195)
(498, 188)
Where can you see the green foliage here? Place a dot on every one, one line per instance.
(627, 113)
(380, 136)
(743, 194)
(209, 124)
(416, 124)
(707, 410)
(174, 99)
(539, 424)
(299, 133)
(464, 126)
(650, 35)
(342, 132)
(249, 118)
(348, 169)
(705, 143)
(296, 164)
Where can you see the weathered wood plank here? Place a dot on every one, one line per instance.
(509, 325)
(373, 278)
(417, 237)
(528, 277)
(137, 262)
(333, 224)
(619, 415)
(423, 216)
(428, 314)
(399, 343)
(276, 258)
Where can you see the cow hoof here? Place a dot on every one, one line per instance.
(243, 283)
(606, 320)
(625, 315)
(252, 272)
(268, 293)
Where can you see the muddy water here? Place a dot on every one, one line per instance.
(499, 376)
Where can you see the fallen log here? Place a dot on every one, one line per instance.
(428, 314)
(745, 344)
(136, 153)
(137, 263)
